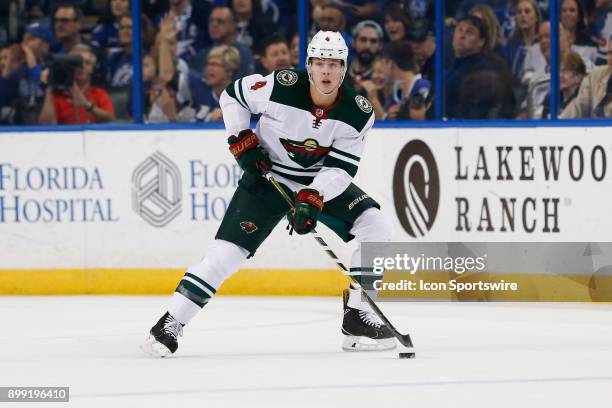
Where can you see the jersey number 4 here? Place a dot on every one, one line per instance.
(258, 85)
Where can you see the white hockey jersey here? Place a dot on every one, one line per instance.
(308, 145)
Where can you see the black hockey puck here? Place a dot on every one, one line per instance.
(407, 355)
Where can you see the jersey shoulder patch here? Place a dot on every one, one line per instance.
(291, 88)
(286, 77)
(363, 104)
(355, 110)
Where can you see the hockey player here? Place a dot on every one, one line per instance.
(311, 135)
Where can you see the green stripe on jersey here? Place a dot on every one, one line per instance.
(345, 154)
(230, 91)
(350, 168)
(297, 168)
(242, 94)
(298, 179)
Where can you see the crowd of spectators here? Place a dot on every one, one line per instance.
(67, 62)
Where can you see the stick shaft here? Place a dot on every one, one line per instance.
(404, 339)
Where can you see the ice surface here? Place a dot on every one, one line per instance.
(285, 352)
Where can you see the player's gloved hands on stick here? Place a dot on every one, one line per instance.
(251, 157)
(308, 206)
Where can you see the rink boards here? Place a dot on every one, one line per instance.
(127, 211)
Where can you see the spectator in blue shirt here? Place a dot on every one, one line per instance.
(602, 28)
(417, 9)
(528, 19)
(190, 23)
(411, 92)
(67, 28)
(9, 84)
(222, 31)
(252, 24)
(119, 69)
(105, 33)
(35, 47)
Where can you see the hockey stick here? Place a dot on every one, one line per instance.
(404, 339)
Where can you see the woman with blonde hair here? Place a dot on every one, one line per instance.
(201, 94)
(486, 14)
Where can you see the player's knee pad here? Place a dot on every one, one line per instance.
(223, 258)
(372, 226)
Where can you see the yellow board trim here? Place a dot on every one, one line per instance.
(149, 281)
(293, 282)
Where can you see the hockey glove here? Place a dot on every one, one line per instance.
(251, 157)
(308, 206)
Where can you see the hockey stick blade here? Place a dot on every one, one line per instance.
(404, 339)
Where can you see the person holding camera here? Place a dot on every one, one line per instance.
(76, 101)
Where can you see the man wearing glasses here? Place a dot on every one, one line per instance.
(67, 26)
(222, 31)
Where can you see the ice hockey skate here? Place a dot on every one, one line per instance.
(163, 337)
(364, 331)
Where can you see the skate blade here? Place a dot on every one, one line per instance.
(360, 343)
(154, 348)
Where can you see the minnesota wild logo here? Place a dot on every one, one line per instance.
(363, 104)
(248, 226)
(286, 77)
(306, 153)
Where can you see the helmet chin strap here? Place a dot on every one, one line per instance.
(325, 93)
(319, 89)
